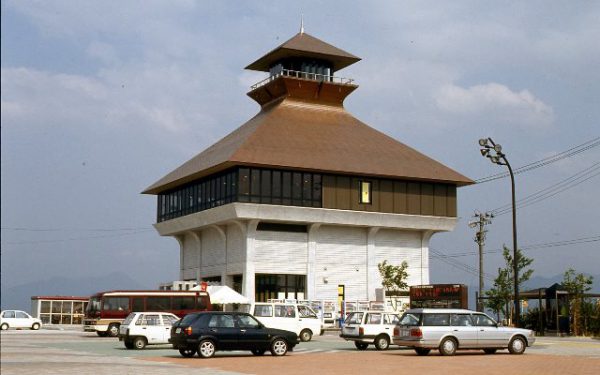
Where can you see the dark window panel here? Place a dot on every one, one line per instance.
(244, 181)
(265, 186)
(276, 185)
(297, 189)
(255, 182)
(307, 189)
(286, 185)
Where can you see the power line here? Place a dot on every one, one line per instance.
(554, 189)
(79, 238)
(538, 246)
(543, 162)
(24, 229)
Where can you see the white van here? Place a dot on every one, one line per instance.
(301, 319)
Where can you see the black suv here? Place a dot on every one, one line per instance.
(206, 332)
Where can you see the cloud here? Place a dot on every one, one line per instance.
(496, 100)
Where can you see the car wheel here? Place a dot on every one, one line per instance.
(35, 326)
(279, 347)
(128, 344)
(422, 351)
(206, 349)
(489, 351)
(306, 335)
(187, 352)
(382, 342)
(361, 345)
(101, 334)
(4, 327)
(448, 346)
(139, 342)
(517, 345)
(258, 352)
(113, 330)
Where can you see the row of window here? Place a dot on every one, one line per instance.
(441, 319)
(253, 185)
(152, 303)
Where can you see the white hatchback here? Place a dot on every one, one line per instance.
(146, 328)
(370, 327)
(18, 319)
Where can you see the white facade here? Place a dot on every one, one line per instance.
(340, 247)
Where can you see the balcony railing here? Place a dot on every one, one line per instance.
(304, 75)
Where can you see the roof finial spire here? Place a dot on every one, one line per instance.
(301, 23)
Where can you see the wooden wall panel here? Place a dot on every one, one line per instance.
(386, 196)
(354, 196)
(329, 191)
(413, 198)
(427, 199)
(451, 200)
(400, 198)
(344, 193)
(439, 200)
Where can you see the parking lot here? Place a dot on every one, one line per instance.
(74, 352)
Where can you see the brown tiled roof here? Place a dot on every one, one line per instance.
(305, 45)
(294, 134)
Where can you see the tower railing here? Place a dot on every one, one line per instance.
(303, 75)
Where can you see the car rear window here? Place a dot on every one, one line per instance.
(128, 319)
(354, 318)
(410, 319)
(436, 319)
(188, 319)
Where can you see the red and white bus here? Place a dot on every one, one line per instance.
(106, 310)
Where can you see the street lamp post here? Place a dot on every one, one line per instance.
(488, 146)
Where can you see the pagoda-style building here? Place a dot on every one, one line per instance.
(304, 197)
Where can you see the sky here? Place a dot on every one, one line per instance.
(100, 99)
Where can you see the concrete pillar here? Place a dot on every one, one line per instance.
(223, 237)
(425, 256)
(198, 242)
(248, 286)
(311, 286)
(372, 271)
(181, 240)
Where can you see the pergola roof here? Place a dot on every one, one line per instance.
(305, 45)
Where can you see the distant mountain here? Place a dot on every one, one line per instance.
(19, 297)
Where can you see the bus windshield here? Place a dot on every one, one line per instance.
(93, 306)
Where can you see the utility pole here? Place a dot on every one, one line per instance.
(481, 221)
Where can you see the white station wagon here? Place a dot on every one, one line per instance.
(146, 328)
(369, 327)
(449, 330)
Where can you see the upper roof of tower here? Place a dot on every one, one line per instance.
(305, 45)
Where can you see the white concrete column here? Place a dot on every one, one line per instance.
(372, 270)
(181, 240)
(198, 239)
(223, 237)
(426, 236)
(248, 287)
(311, 286)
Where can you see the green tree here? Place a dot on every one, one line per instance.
(393, 278)
(577, 285)
(501, 294)
(498, 297)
